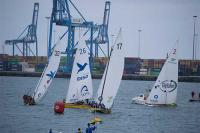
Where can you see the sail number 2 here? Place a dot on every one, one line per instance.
(119, 46)
(174, 52)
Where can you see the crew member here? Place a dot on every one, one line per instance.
(79, 130)
(90, 129)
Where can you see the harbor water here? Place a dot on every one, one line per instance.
(125, 117)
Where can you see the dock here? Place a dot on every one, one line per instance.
(99, 76)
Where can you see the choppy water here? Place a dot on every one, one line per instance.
(125, 117)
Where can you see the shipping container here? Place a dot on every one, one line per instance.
(29, 70)
(198, 70)
(154, 71)
(132, 65)
(14, 67)
(4, 65)
(39, 67)
(62, 69)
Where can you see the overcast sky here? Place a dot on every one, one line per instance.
(162, 22)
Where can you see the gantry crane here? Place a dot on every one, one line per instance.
(27, 37)
(102, 37)
(61, 16)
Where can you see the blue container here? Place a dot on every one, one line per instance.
(14, 67)
(42, 66)
(198, 70)
(1, 68)
(3, 65)
(39, 67)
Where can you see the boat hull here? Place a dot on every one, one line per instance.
(77, 106)
(194, 100)
(28, 100)
(139, 100)
(162, 105)
(100, 110)
(142, 100)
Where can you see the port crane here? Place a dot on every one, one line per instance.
(27, 37)
(61, 16)
(102, 37)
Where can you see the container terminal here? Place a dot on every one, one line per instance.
(135, 68)
(29, 63)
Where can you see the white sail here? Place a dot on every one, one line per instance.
(112, 75)
(48, 73)
(164, 90)
(80, 86)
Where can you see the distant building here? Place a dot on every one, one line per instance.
(132, 65)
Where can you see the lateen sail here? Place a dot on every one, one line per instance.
(164, 90)
(80, 86)
(48, 73)
(112, 75)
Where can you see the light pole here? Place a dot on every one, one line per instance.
(3, 48)
(194, 35)
(197, 48)
(139, 31)
(47, 18)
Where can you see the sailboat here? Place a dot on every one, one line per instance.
(111, 78)
(164, 91)
(80, 87)
(46, 77)
(195, 97)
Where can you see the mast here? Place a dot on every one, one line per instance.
(101, 98)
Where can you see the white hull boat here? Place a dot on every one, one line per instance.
(139, 99)
(164, 91)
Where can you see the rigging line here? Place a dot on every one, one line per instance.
(40, 80)
(77, 10)
(18, 48)
(102, 50)
(165, 97)
(108, 66)
(31, 50)
(81, 38)
(22, 32)
(60, 38)
(106, 75)
(63, 34)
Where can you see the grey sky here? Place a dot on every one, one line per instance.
(162, 23)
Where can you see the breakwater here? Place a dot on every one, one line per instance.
(99, 76)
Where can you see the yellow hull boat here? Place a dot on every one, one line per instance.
(77, 106)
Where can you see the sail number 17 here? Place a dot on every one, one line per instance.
(119, 46)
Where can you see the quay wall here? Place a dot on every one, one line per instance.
(99, 76)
